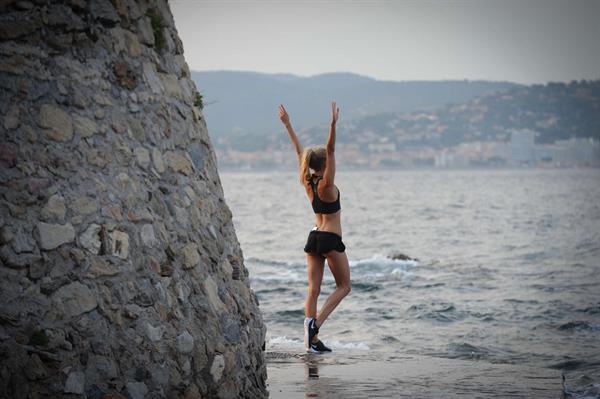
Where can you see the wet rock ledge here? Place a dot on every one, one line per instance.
(121, 274)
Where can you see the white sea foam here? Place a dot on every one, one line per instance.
(283, 342)
(379, 266)
(284, 275)
(380, 260)
(376, 266)
(270, 262)
(348, 345)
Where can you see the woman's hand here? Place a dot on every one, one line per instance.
(285, 118)
(283, 115)
(335, 112)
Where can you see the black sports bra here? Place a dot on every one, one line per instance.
(321, 206)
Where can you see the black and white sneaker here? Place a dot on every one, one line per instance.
(311, 331)
(318, 347)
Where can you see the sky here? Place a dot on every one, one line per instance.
(522, 41)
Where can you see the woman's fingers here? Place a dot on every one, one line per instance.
(283, 115)
(334, 111)
(282, 110)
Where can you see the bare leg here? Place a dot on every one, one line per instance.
(338, 264)
(316, 265)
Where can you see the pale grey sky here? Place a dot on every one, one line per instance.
(524, 41)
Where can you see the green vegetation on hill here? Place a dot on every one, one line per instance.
(555, 110)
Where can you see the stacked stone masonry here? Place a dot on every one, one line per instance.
(121, 275)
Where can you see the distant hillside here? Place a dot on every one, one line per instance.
(556, 111)
(244, 104)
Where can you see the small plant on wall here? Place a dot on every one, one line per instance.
(198, 101)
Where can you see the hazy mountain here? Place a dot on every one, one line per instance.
(555, 111)
(244, 104)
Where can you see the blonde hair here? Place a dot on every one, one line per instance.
(312, 158)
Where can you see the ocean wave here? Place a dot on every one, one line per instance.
(433, 285)
(381, 261)
(592, 391)
(569, 365)
(465, 350)
(284, 341)
(579, 325)
(522, 301)
(581, 386)
(376, 266)
(593, 309)
(365, 287)
(437, 311)
(271, 262)
(389, 339)
(290, 315)
(276, 290)
(349, 345)
(379, 266)
(483, 316)
(283, 276)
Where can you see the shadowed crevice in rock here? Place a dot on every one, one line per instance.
(120, 269)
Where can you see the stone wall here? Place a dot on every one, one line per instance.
(121, 274)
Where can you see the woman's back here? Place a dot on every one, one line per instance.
(326, 205)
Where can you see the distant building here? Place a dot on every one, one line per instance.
(576, 151)
(382, 147)
(522, 146)
(545, 153)
(444, 159)
(501, 150)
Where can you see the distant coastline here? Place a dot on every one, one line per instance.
(404, 125)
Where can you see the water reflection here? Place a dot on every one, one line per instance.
(313, 387)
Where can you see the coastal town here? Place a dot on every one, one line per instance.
(520, 151)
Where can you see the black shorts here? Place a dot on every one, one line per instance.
(321, 242)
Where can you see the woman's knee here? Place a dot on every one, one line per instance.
(345, 288)
(314, 291)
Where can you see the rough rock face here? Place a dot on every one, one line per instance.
(121, 274)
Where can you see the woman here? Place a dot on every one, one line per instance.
(325, 239)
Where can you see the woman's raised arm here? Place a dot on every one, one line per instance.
(329, 173)
(285, 118)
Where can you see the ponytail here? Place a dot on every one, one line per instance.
(312, 158)
(304, 166)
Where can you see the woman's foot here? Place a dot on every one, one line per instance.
(318, 347)
(310, 331)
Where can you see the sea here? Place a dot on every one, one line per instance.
(504, 269)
